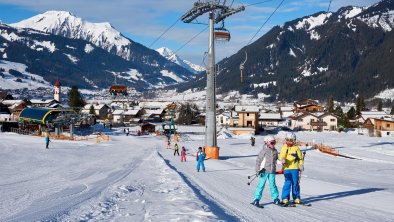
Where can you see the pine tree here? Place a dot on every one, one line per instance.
(75, 99)
(380, 105)
(330, 104)
(91, 110)
(392, 111)
(360, 105)
(338, 111)
(351, 114)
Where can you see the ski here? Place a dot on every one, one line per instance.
(286, 205)
(258, 206)
(304, 204)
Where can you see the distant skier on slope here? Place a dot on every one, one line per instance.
(176, 149)
(47, 140)
(266, 168)
(183, 154)
(200, 157)
(291, 157)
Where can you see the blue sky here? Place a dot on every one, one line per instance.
(145, 20)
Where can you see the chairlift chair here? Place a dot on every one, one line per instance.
(222, 34)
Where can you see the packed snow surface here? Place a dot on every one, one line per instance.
(135, 178)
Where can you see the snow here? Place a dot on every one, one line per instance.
(66, 24)
(386, 94)
(264, 84)
(312, 22)
(354, 11)
(45, 44)
(9, 81)
(291, 52)
(10, 36)
(88, 48)
(322, 69)
(140, 180)
(171, 75)
(384, 20)
(171, 56)
(314, 35)
(73, 59)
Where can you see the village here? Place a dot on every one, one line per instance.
(55, 118)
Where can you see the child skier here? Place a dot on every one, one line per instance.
(176, 149)
(183, 154)
(168, 144)
(291, 157)
(266, 168)
(200, 157)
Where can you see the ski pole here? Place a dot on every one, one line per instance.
(255, 176)
(251, 176)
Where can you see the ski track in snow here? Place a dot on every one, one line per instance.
(137, 179)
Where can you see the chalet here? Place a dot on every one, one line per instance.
(248, 117)
(302, 120)
(314, 121)
(52, 103)
(223, 119)
(307, 105)
(384, 127)
(372, 115)
(15, 107)
(286, 111)
(269, 119)
(101, 111)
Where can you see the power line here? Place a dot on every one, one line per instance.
(329, 6)
(258, 3)
(157, 39)
(276, 9)
(189, 41)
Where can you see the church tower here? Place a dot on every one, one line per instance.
(57, 91)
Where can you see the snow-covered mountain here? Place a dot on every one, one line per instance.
(171, 56)
(66, 24)
(342, 54)
(89, 55)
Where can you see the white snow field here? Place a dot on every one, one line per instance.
(135, 178)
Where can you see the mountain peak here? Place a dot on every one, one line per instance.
(68, 25)
(171, 56)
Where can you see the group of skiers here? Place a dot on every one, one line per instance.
(200, 155)
(292, 164)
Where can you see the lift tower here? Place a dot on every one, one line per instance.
(218, 11)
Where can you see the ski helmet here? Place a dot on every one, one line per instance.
(269, 139)
(290, 136)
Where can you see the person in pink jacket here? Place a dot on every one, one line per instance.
(183, 154)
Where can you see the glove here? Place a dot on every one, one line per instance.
(301, 167)
(261, 172)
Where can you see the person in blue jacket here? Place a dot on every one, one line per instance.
(47, 140)
(200, 157)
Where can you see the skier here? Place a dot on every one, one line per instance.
(252, 140)
(183, 154)
(168, 144)
(47, 140)
(127, 132)
(200, 157)
(266, 168)
(176, 149)
(291, 157)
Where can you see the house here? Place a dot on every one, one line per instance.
(44, 103)
(269, 119)
(286, 111)
(223, 119)
(320, 121)
(302, 120)
(101, 111)
(307, 105)
(372, 115)
(248, 116)
(384, 127)
(15, 107)
(148, 127)
(327, 122)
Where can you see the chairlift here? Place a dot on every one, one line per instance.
(222, 34)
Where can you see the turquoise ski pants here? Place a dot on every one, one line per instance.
(260, 186)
